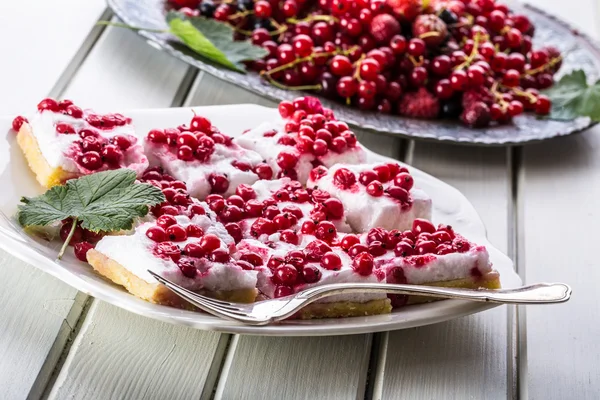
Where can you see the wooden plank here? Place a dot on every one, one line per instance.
(560, 193)
(467, 357)
(120, 355)
(325, 367)
(39, 39)
(38, 311)
(134, 357)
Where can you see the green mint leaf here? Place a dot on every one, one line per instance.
(214, 41)
(106, 201)
(572, 97)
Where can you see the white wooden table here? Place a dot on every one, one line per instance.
(58, 343)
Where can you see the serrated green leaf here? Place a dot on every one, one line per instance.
(106, 201)
(572, 97)
(214, 41)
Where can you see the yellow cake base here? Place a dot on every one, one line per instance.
(156, 292)
(46, 175)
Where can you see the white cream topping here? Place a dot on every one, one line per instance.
(134, 253)
(195, 173)
(365, 211)
(345, 274)
(55, 146)
(443, 267)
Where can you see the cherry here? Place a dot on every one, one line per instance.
(357, 249)
(81, 249)
(344, 178)
(316, 249)
(515, 108)
(219, 256)
(398, 193)
(308, 227)
(441, 236)
(363, 264)
(286, 109)
(168, 210)
(404, 180)
(194, 231)
(416, 47)
(289, 236)
(91, 144)
(475, 75)
(369, 69)
(209, 243)
(156, 233)
(347, 86)
(459, 80)
(303, 45)
(90, 160)
(375, 188)
(121, 141)
(367, 177)
(514, 38)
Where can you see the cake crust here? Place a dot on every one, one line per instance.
(156, 292)
(45, 174)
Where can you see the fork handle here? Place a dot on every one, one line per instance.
(539, 293)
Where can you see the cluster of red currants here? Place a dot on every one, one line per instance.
(471, 59)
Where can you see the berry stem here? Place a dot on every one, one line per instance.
(240, 14)
(311, 18)
(66, 243)
(530, 96)
(471, 56)
(544, 67)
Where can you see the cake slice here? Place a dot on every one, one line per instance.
(207, 160)
(373, 195)
(307, 136)
(192, 252)
(62, 141)
(284, 269)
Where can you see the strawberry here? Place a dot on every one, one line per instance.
(383, 27)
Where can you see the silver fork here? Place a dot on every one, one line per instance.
(268, 311)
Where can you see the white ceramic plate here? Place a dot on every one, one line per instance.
(450, 207)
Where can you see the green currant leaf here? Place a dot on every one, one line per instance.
(214, 40)
(106, 201)
(572, 97)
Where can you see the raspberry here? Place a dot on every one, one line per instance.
(407, 9)
(431, 29)
(383, 27)
(473, 96)
(477, 115)
(420, 104)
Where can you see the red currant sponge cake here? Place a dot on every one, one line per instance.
(207, 160)
(307, 135)
(373, 195)
(192, 252)
(62, 141)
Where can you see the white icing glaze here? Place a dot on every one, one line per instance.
(365, 211)
(134, 253)
(442, 267)
(195, 173)
(345, 274)
(56, 147)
